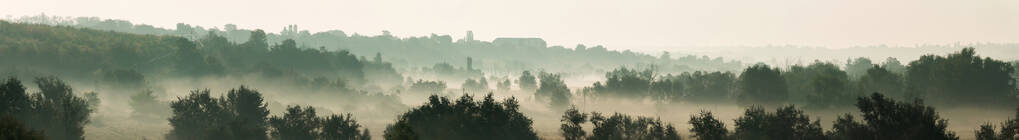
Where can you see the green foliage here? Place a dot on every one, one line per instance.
(1009, 130)
(823, 85)
(553, 90)
(885, 118)
(624, 127)
(121, 58)
(615, 127)
(623, 82)
(527, 81)
(706, 86)
(432, 87)
(893, 65)
(760, 84)
(882, 80)
(465, 118)
(12, 129)
(303, 124)
(962, 77)
(856, 68)
(786, 123)
(572, 120)
(55, 111)
(340, 127)
(706, 127)
(241, 114)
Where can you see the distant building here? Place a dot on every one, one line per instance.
(520, 42)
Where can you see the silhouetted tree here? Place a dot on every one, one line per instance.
(57, 111)
(706, 127)
(760, 84)
(527, 81)
(624, 82)
(623, 127)
(13, 99)
(962, 78)
(823, 85)
(856, 68)
(431, 87)
(303, 124)
(241, 114)
(340, 127)
(296, 124)
(465, 118)
(199, 116)
(12, 129)
(251, 113)
(893, 65)
(1009, 130)
(884, 118)
(553, 89)
(572, 120)
(881, 80)
(786, 123)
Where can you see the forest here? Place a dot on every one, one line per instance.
(88, 78)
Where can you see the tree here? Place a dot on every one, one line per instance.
(1009, 130)
(760, 84)
(962, 78)
(54, 111)
(15, 103)
(464, 118)
(884, 118)
(340, 127)
(241, 114)
(431, 87)
(707, 87)
(786, 123)
(572, 120)
(706, 127)
(527, 81)
(12, 129)
(857, 68)
(199, 116)
(823, 85)
(893, 65)
(553, 89)
(13, 99)
(623, 127)
(881, 80)
(57, 111)
(250, 111)
(257, 41)
(303, 124)
(296, 124)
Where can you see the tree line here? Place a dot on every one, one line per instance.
(958, 79)
(55, 112)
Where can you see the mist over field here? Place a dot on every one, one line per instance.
(125, 76)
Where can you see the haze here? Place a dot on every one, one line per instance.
(652, 25)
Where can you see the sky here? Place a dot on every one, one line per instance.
(621, 24)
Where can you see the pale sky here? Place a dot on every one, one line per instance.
(619, 24)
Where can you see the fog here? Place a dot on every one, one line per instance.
(124, 79)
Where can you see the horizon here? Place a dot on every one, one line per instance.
(640, 25)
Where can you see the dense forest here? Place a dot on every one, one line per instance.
(111, 79)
